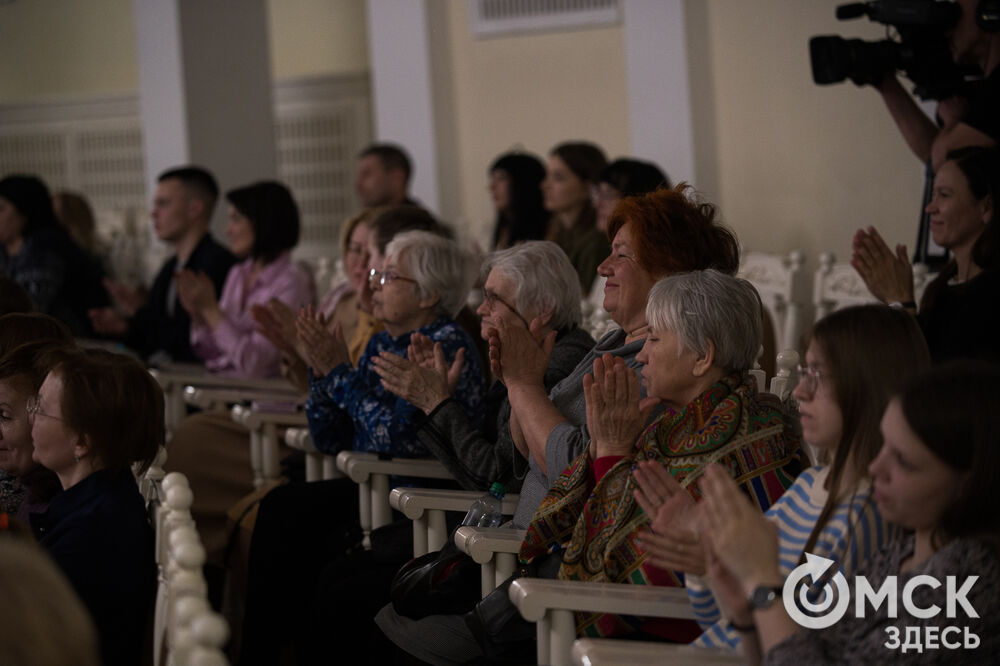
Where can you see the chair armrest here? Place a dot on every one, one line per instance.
(615, 652)
(494, 549)
(372, 476)
(534, 597)
(551, 603)
(319, 466)
(360, 466)
(426, 508)
(481, 543)
(214, 397)
(256, 418)
(413, 502)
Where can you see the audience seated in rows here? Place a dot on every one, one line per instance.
(37, 253)
(341, 306)
(530, 281)
(421, 284)
(856, 359)
(263, 228)
(665, 232)
(515, 181)
(958, 312)
(935, 476)
(572, 169)
(704, 332)
(156, 325)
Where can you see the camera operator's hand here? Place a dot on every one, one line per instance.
(887, 275)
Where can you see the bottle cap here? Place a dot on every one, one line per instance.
(498, 488)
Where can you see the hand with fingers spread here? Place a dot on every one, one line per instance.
(887, 274)
(615, 414)
(422, 387)
(743, 540)
(324, 350)
(519, 355)
(672, 540)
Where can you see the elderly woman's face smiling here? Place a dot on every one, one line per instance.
(669, 370)
(15, 431)
(628, 284)
(397, 303)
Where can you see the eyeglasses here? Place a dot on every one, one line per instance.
(35, 409)
(809, 378)
(491, 299)
(378, 279)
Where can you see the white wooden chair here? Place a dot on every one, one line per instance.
(174, 378)
(372, 473)
(319, 466)
(426, 507)
(263, 423)
(783, 286)
(837, 285)
(551, 604)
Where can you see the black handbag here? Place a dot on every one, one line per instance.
(446, 582)
(503, 635)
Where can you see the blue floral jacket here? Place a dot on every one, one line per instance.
(349, 408)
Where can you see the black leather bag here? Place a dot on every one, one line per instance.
(446, 582)
(503, 635)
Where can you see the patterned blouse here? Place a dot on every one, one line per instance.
(351, 402)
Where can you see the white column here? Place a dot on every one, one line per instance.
(402, 89)
(659, 94)
(205, 88)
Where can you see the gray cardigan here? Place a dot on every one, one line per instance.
(474, 460)
(568, 439)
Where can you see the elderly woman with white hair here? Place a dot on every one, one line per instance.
(422, 284)
(705, 331)
(532, 280)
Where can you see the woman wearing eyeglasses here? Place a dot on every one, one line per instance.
(856, 359)
(95, 415)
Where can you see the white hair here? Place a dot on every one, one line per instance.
(708, 305)
(438, 265)
(544, 280)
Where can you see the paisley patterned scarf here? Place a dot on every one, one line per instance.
(594, 527)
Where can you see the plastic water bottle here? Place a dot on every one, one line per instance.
(486, 511)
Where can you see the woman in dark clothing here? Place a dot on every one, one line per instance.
(37, 253)
(515, 187)
(95, 415)
(958, 312)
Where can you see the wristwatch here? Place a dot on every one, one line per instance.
(763, 596)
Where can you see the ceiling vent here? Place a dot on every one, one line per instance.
(492, 18)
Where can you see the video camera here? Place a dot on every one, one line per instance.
(921, 51)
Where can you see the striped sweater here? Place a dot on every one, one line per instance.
(854, 532)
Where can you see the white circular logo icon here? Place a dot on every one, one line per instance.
(815, 566)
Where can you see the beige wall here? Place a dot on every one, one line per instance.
(61, 48)
(530, 91)
(794, 165)
(52, 49)
(311, 37)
